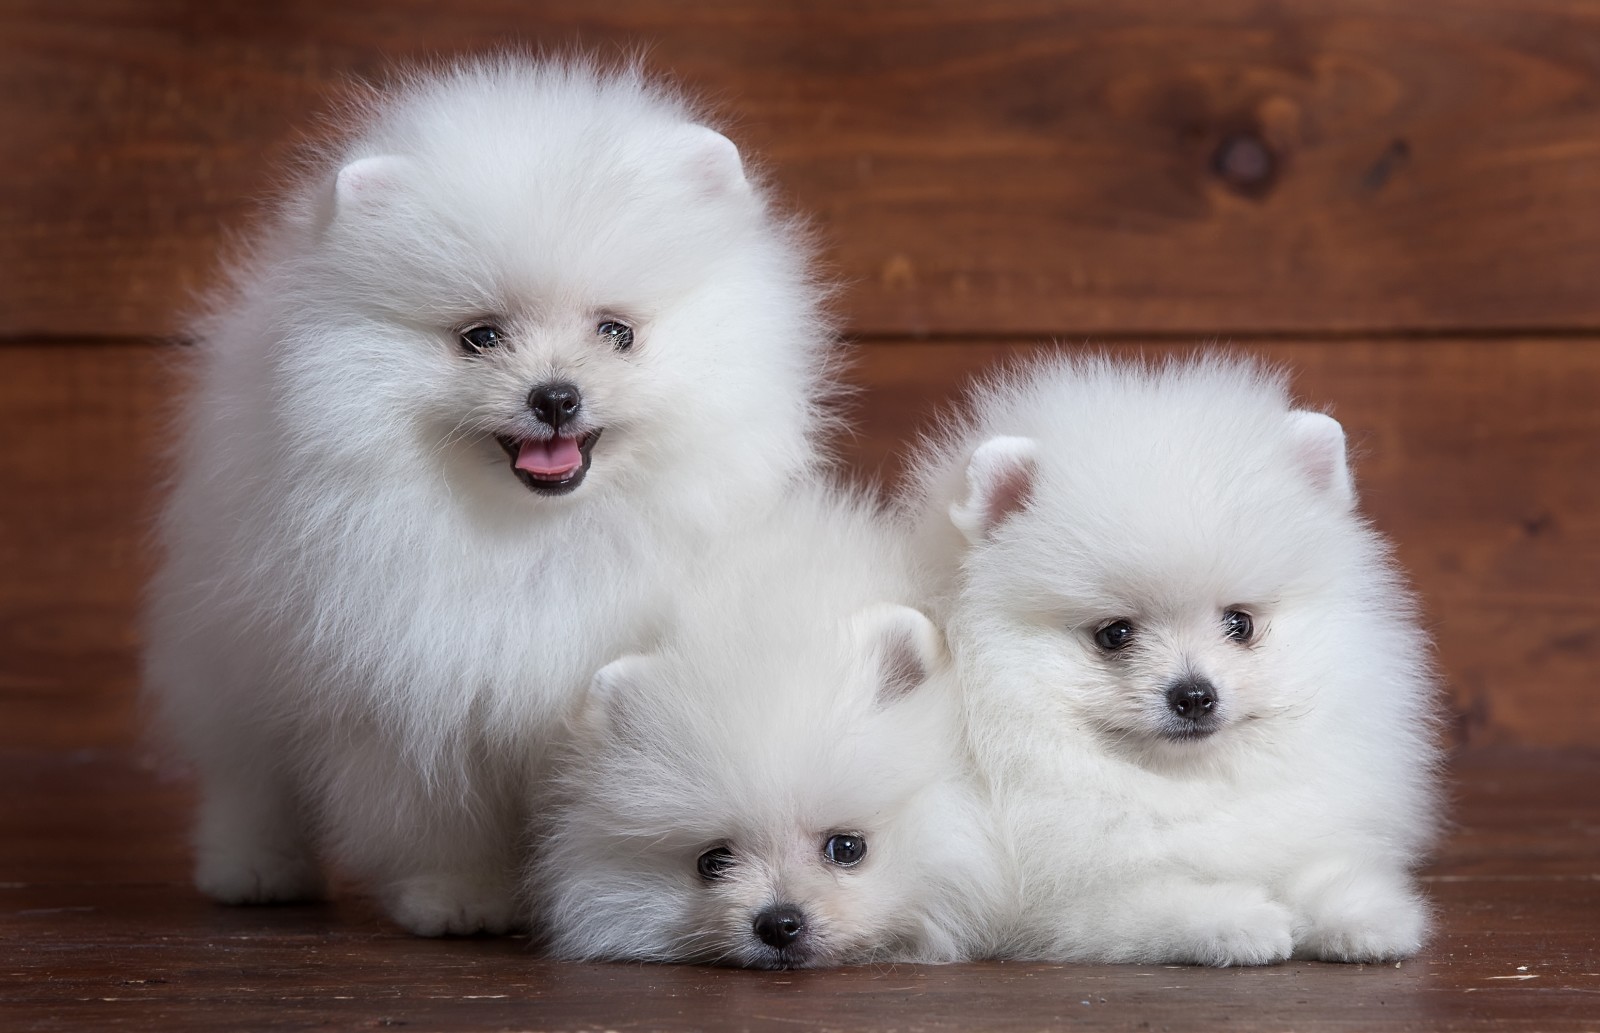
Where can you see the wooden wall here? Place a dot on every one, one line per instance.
(1400, 201)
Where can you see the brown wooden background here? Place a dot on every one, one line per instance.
(1400, 201)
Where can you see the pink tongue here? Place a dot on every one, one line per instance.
(554, 458)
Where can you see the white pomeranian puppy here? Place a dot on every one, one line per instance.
(504, 366)
(1191, 670)
(781, 784)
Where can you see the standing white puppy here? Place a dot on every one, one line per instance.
(503, 366)
(1191, 669)
(782, 783)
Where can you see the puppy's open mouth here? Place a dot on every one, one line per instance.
(550, 466)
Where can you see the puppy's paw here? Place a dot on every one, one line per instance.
(450, 905)
(1386, 937)
(260, 876)
(1358, 915)
(1249, 929)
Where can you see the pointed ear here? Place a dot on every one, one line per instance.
(613, 689)
(905, 645)
(1319, 446)
(369, 184)
(999, 481)
(713, 161)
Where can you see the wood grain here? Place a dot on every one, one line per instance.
(102, 931)
(1477, 457)
(80, 465)
(1020, 166)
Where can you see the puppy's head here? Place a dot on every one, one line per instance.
(769, 807)
(1162, 564)
(540, 279)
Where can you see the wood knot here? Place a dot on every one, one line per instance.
(1393, 158)
(898, 273)
(1538, 525)
(1245, 164)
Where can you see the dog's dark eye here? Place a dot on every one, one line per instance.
(620, 335)
(1114, 636)
(714, 863)
(1238, 625)
(845, 850)
(478, 339)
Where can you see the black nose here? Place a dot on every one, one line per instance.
(780, 926)
(1193, 699)
(555, 404)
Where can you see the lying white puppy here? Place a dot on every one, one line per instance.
(1191, 670)
(781, 784)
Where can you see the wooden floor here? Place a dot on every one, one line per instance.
(100, 930)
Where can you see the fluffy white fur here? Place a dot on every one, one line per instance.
(793, 704)
(366, 624)
(1082, 492)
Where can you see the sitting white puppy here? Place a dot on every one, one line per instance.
(505, 365)
(781, 784)
(1191, 670)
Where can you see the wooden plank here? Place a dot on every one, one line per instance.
(1477, 457)
(82, 430)
(102, 931)
(1020, 166)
